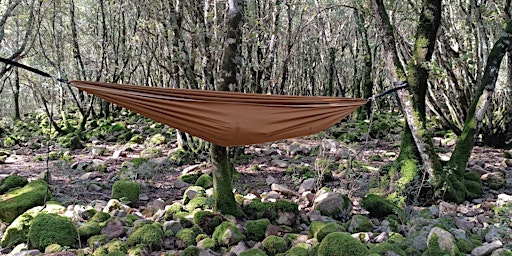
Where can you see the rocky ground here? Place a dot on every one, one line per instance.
(82, 179)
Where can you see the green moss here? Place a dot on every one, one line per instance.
(129, 219)
(377, 206)
(227, 234)
(328, 228)
(17, 201)
(52, 248)
(157, 139)
(11, 182)
(197, 202)
(208, 243)
(207, 221)
(192, 192)
(205, 181)
(274, 244)
(465, 246)
(191, 251)
(89, 229)
(385, 247)
(97, 240)
(314, 227)
(435, 249)
(297, 251)
(190, 178)
(339, 243)
(360, 223)
(187, 236)
(49, 228)
(286, 206)
(257, 210)
(100, 217)
(253, 252)
(256, 229)
(150, 235)
(114, 247)
(126, 191)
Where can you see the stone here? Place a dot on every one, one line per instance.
(240, 247)
(14, 202)
(279, 163)
(272, 195)
(286, 218)
(507, 162)
(113, 229)
(295, 149)
(447, 209)
(118, 154)
(270, 180)
(487, 248)
(307, 185)
(173, 225)
(282, 189)
(494, 180)
(503, 199)
(440, 241)
(334, 205)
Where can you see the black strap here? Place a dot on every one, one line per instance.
(31, 69)
(399, 86)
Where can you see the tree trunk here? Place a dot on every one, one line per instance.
(222, 169)
(417, 148)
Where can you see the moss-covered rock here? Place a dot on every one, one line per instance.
(386, 247)
(360, 223)
(274, 245)
(150, 235)
(340, 243)
(227, 234)
(198, 202)
(49, 228)
(256, 229)
(205, 181)
(297, 251)
(207, 221)
(17, 232)
(378, 207)
(113, 247)
(473, 185)
(101, 218)
(190, 178)
(253, 252)
(97, 240)
(186, 237)
(11, 182)
(126, 191)
(157, 139)
(257, 210)
(441, 242)
(328, 228)
(334, 205)
(192, 192)
(17, 201)
(206, 243)
(89, 229)
(191, 251)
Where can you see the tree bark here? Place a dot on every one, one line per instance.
(222, 169)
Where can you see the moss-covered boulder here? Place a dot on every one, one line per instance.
(114, 247)
(89, 229)
(198, 202)
(253, 252)
(297, 251)
(360, 223)
(97, 240)
(12, 181)
(191, 251)
(256, 229)
(334, 205)
(17, 232)
(441, 242)
(340, 243)
(386, 248)
(326, 228)
(126, 191)
(185, 237)
(149, 234)
(192, 192)
(17, 201)
(378, 207)
(274, 245)
(205, 181)
(50, 228)
(227, 234)
(207, 221)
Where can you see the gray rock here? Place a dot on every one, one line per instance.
(334, 205)
(493, 234)
(307, 185)
(445, 240)
(282, 189)
(295, 149)
(172, 225)
(178, 184)
(507, 162)
(486, 249)
(494, 180)
(26, 253)
(240, 247)
(418, 240)
(272, 195)
(279, 163)
(113, 229)
(158, 204)
(459, 234)
(500, 252)
(286, 218)
(270, 180)
(381, 237)
(447, 209)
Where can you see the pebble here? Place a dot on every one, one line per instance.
(486, 249)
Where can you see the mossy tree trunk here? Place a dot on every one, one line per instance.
(417, 149)
(476, 113)
(222, 169)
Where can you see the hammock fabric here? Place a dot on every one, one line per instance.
(228, 118)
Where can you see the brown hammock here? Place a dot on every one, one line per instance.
(228, 118)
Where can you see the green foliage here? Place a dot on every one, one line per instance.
(150, 235)
(340, 243)
(274, 244)
(126, 191)
(11, 182)
(49, 228)
(256, 229)
(377, 206)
